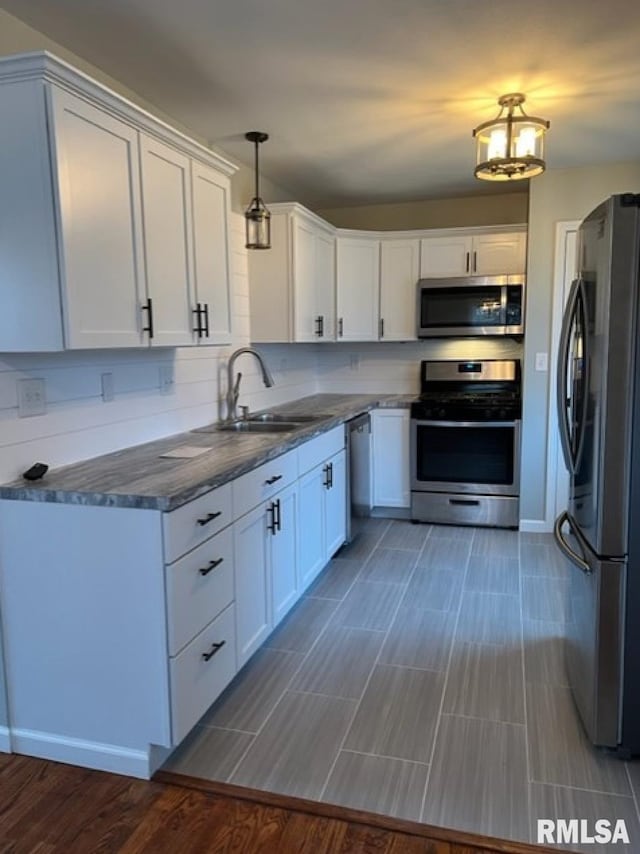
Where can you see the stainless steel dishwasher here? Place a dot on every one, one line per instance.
(358, 443)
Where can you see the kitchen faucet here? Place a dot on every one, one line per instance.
(233, 389)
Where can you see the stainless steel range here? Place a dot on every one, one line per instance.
(465, 443)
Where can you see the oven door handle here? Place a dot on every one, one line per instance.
(421, 423)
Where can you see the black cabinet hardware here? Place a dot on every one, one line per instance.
(382, 327)
(475, 262)
(278, 518)
(212, 565)
(325, 472)
(198, 320)
(206, 319)
(340, 327)
(271, 523)
(467, 262)
(215, 647)
(320, 326)
(330, 475)
(209, 518)
(148, 307)
(271, 480)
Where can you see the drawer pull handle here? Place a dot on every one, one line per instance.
(271, 480)
(215, 647)
(212, 565)
(209, 517)
(464, 502)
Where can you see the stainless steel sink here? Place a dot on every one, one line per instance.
(290, 417)
(259, 427)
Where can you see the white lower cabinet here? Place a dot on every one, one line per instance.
(282, 548)
(335, 505)
(253, 617)
(390, 457)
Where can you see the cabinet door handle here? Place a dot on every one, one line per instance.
(271, 480)
(212, 565)
(475, 262)
(198, 313)
(209, 518)
(467, 262)
(382, 327)
(319, 326)
(340, 327)
(330, 475)
(215, 647)
(148, 307)
(278, 519)
(206, 319)
(325, 472)
(271, 524)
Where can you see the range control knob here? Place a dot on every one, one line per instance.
(488, 414)
(428, 413)
(503, 414)
(441, 413)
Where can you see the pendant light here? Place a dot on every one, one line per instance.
(257, 217)
(511, 146)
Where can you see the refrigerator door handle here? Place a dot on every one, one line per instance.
(561, 383)
(564, 546)
(582, 302)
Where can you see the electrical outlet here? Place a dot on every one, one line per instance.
(107, 387)
(166, 379)
(542, 362)
(354, 361)
(32, 398)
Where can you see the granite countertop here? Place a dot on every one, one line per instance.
(141, 477)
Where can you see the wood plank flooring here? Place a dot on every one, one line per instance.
(50, 808)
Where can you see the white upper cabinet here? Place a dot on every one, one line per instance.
(166, 193)
(292, 285)
(473, 255)
(211, 212)
(357, 288)
(96, 175)
(399, 274)
(108, 237)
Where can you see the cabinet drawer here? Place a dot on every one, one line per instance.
(261, 483)
(199, 586)
(196, 682)
(316, 451)
(193, 523)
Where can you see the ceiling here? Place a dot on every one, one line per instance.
(368, 101)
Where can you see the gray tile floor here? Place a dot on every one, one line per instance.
(422, 676)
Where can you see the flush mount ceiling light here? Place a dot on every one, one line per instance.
(510, 147)
(257, 217)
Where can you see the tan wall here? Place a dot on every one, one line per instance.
(558, 195)
(498, 209)
(18, 37)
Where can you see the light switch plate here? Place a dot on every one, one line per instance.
(542, 362)
(32, 397)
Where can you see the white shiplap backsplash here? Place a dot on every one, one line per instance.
(78, 424)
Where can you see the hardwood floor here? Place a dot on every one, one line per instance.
(50, 808)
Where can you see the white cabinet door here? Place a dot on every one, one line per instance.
(498, 254)
(211, 212)
(325, 285)
(335, 503)
(166, 209)
(399, 274)
(441, 257)
(253, 594)
(283, 552)
(97, 180)
(311, 520)
(357, 282)
(304, 279)
(390, 454)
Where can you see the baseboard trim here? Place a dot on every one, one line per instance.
(5, 740)
(536, 526)
(87, 754)
(391, 512)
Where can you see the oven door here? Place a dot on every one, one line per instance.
(475, 457)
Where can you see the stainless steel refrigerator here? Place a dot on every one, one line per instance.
(599, 415)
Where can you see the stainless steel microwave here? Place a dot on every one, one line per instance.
(470, 306)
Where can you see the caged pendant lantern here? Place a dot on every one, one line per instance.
(511, 146)
(257, 216)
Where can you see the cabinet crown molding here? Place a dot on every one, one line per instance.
(45, 66)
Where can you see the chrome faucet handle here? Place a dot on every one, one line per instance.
(245, 412)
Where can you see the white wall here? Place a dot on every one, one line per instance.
(557, 195)
(79, 425)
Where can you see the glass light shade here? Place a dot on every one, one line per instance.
(257, 225)
(510, 147)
